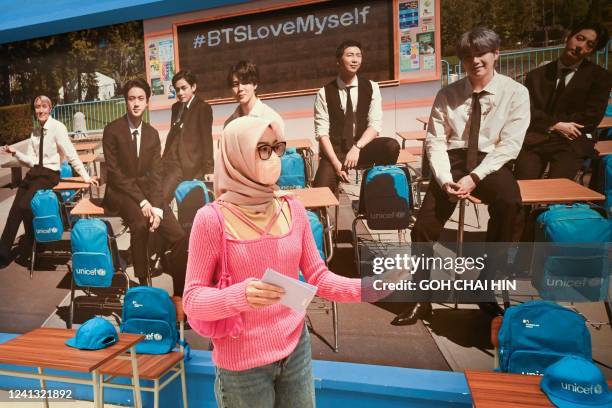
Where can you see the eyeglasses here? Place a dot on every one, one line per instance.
(265, 150)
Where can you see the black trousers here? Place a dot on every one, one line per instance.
(38, 178)
(380, 151)
(169, 230)
(499, 190)
(563, 160)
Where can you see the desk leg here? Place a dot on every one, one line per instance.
(135, 378)
(15, 176)
(43, 387)
(95, 382)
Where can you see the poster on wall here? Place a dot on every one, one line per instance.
(160, 69)
(417, 39)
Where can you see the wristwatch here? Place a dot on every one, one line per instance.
(357, 146)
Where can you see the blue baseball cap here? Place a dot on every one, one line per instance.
(574, 382)
(95, 334)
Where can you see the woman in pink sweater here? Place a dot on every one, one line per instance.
(268, 363)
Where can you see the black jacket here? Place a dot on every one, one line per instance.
(583, 101)
(128, 177)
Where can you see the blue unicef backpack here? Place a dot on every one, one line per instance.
(385, 197)
(572, 272)
(185, 188)
(92, 262)
(66, 171)
(317, 231)
(536, 334)
(150, 311)
(47, 221)
(293, 170)
(607, 181)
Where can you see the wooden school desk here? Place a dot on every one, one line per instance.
(45, 348)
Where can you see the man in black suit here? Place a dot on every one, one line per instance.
(132, 151)
(188, 153)
(568, 100)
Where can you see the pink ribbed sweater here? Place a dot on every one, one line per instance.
(271, 333)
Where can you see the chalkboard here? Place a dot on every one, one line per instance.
(294, 47)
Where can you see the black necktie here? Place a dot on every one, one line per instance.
(40, 147)
(135, 143)
(558, 90)
(472, 151)
(349, 121)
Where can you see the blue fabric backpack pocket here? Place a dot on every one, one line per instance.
(66, 171)
(159, 336)
(92, 262)
(385, 198)
(47, 219)
(293, 170)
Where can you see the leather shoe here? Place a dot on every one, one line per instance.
(491, 308)
(411, 315)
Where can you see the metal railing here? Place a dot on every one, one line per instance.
(517, 64)
(97, 113)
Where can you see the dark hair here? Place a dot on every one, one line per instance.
(186, 75)
(245, 71)
(345, 44)
(136, 83)
(479, 40)
(600, 31)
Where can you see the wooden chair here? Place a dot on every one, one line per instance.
(159, 368)
(495, 326)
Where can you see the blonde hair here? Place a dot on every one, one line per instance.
(43, 99)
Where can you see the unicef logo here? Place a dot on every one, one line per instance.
(101, 272)
(157, 336)
(598, 389)
(594, 282)
(54, 230)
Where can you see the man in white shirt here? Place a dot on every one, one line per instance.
(47, 143)
(348, 138)
(476, 129)
(243, 79)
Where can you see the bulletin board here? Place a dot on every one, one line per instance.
(160, 68)
(418, 34)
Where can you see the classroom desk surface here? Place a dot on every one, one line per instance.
(83, 146)
(45, 348)
(299, 143)
(604, 147)
(405, 156)
(86, 207)
(316, 197)
(606, 122)
(550, 191)
(492, 390)
(423, 120)
(413, 135)
(70, 185)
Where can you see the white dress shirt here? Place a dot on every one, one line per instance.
(505, 119)
(260, 110)
(157, 211)
(570, 75)
(55, 142)
(322, 113)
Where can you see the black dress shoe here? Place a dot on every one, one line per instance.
(491, 308)
(411, 315)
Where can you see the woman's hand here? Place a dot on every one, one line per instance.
(94, 181)
(259, 294)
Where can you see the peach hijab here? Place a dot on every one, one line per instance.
(235, 165)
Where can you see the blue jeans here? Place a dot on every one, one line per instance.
(286, 383)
